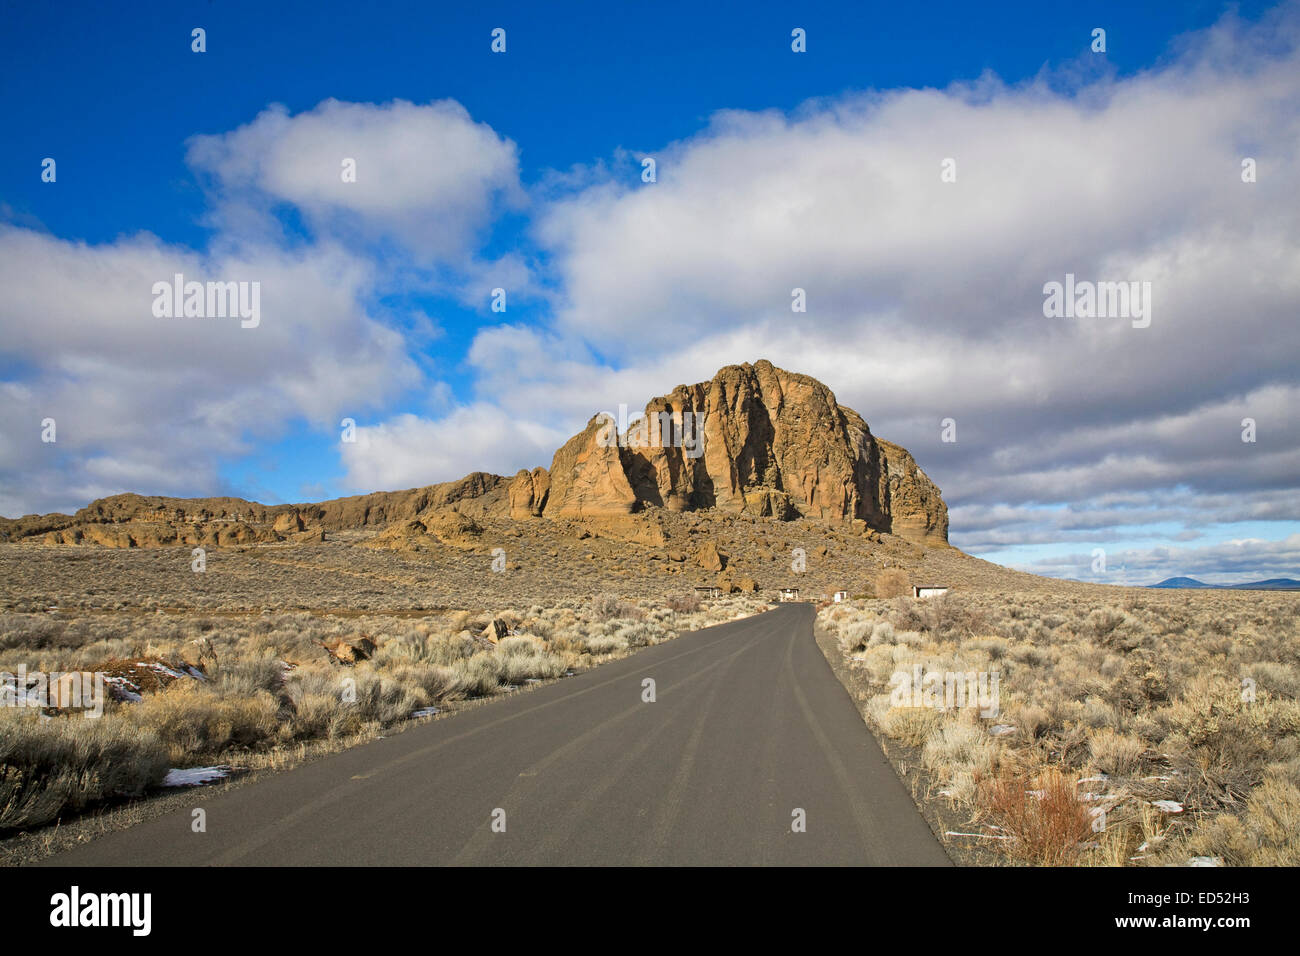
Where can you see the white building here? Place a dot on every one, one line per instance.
(928, 591)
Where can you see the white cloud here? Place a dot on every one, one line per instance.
(154, 404)
(408, 451)
(1231, 562)
(157, 405)
(427, 175)
(925, 298)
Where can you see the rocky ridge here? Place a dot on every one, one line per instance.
(755, 440)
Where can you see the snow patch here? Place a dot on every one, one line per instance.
(122, 689)
(194, 776)
(164, 669)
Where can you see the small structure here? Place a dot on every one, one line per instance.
(789, 594)
(841, 596)
(931, 590)
(710, 592)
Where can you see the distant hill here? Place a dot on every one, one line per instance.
(1272, 584)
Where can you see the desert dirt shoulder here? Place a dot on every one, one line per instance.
(907, 764)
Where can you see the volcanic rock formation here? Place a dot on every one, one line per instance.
(755, 439)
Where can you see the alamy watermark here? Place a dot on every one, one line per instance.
(1098, 300)
(179, 299)
(75, 909)
(666, 429)
(946, 690)
(71, 690)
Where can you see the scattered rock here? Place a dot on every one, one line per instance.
(350, 652)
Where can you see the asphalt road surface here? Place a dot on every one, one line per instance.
(749, 725)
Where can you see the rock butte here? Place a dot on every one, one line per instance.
(776, 445)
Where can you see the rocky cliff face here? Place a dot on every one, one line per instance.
(755, 439)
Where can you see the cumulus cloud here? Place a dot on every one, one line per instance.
(427, 177)
(156, 404)
(925, 298)
(408, 451)
(159, 404)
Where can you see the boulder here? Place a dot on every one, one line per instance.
(709, 557)
(452, 527)
(350, 652)
(730, 585)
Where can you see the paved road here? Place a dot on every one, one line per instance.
(748, 725)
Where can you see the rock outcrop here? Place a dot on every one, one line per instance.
(528, 493)
(140, 521)
(587, 478)
(438, 527)
(476, 494)
(754, 440)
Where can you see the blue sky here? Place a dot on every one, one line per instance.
(381, 304)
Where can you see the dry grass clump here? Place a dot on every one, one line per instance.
(1176, 713)
(958, 744)
(196, 720)
(51, 767)
(912, 726)
(603, 644)
(684, 602)
(1116, 754)
(527, 658)
(608, 607)
(892, 583)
